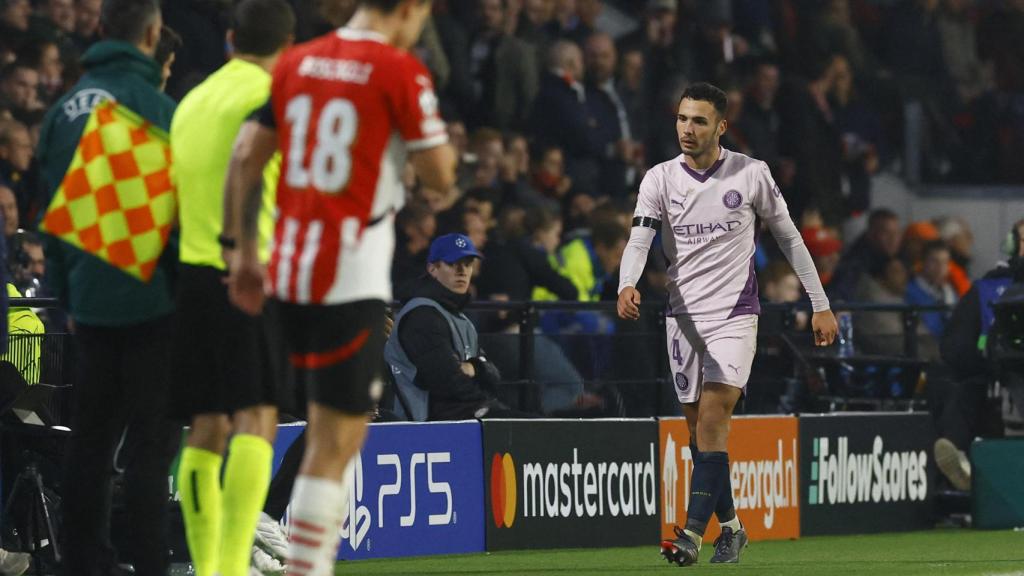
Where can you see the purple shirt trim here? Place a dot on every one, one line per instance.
(702, 177)
(747, 303)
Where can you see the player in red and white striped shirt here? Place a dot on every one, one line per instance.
(345, 110)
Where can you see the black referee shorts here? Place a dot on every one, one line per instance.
(223, 359)
(336, 352)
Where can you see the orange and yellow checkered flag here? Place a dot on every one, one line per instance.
(116, 201)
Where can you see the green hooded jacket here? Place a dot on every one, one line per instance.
(94, 292)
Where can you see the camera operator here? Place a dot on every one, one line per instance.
(962, 414)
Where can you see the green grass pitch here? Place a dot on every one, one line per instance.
(936, 552)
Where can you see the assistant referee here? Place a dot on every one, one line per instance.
(224, 374)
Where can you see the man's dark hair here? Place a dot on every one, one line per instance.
(704, 92)
(170, 42)
(262, 27)
(879, 215)
(9, 70)
(607, 228)
(127, 20)
(934, 246)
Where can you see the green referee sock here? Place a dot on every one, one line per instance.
(246, 480)
(199, 485)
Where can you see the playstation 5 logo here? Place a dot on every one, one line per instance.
(355, 523)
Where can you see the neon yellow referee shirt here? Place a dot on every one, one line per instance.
(202, 134)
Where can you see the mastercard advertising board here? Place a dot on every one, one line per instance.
(570, 483)
(764, 471)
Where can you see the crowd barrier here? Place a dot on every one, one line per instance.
(456, 487)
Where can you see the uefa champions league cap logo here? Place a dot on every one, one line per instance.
(732, 199)
(451, 248)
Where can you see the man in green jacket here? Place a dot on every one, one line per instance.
(122, 326)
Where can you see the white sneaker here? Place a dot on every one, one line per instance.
(14, 563)
(953, 463)
(263, 563)
(271, 538)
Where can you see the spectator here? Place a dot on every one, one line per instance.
(833, 32)
(561, 117)
(884, 282)
(931, 286)
(860, 130)
(632, 91)
(44, 56)
(15, 163)
(19, 90)
(503, 71)
(761, 122)
(474, 226)
(87, 23)
(956, 233)
(815, 144)
(593, 257)
(780, 285)
(969, 74)
(549, 178)
(27, 263)
(999, 43)
(440, 371)
(515, 171)
(917, 235)
(9, 208)
(588, 15)
(415, 226)
(487, 151)
(14, 21)
(610, 117)
(537, 26)
(170, 43)
(515, 266)
(122, 326)
(665, 45)
(59, 17)
(871, 250)
(717, 47)
(825, 247)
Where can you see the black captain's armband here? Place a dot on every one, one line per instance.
(647, 222)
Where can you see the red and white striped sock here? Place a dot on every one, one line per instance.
(314, 520)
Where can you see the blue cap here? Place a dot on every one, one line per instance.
(451, 248)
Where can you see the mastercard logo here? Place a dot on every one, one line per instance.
(503, 490)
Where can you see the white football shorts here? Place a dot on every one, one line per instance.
(710, 351)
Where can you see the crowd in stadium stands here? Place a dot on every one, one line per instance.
(557, 107)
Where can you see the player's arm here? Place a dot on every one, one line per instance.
(416, 109)
(646, 223)
(243, 196)
(435, 167)
(771, 206)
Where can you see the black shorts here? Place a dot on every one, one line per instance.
(336, 352)
(223, 359)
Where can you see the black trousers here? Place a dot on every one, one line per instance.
(122, 376)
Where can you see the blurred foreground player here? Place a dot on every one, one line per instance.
(225, 379)
(345, 109)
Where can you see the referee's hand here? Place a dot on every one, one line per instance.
(628, 305)
(246, 278)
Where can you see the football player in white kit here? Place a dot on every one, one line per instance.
(705, 202)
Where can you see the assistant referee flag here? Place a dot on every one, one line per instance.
(116, 200)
